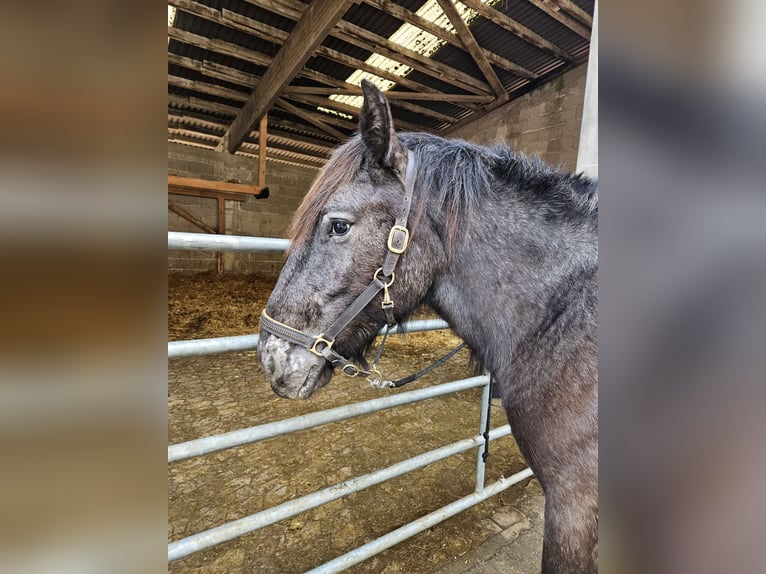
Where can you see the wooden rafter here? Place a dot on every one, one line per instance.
(192, 103)
(307, 34)
(277, 36)
(554, 11)
(206, 88)
(300, 134)
(178, 127)
(234, 94)
(576, 11)
(334, 120)
(472, 47)
(311, 118)
(392, 95)
(354, 111)
(372, 42)
(362, 38)
(505, 21)
(402, 13)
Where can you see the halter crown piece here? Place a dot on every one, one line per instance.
(383, 278)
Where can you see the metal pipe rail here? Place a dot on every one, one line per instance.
(236, 528)
(416, 526)
(211, 242)
(238, 343)
(207, 445)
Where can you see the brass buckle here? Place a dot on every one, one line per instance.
(320, 339)
(391, 237)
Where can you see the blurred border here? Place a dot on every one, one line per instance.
(83, 367)
(683, 273)
(82, 223)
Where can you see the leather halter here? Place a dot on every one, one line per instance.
(321, 345)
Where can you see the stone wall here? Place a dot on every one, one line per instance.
(254, 217)
(546, 121)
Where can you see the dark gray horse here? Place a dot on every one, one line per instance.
(503, 247)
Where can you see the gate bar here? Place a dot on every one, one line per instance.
(216, 345)
(210, 242)
(236, 528)
(206, 445)
(408, 530)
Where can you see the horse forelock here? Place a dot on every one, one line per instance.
(342, 167)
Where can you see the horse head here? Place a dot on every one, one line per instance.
(340, 237)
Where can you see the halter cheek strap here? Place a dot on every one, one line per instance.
(397, 243)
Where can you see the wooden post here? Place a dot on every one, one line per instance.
(221, 229)
(262, 150)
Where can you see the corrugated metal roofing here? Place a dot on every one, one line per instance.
(218, 49)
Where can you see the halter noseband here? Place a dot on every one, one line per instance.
(321, 345)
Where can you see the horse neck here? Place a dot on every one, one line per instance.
(506, 267)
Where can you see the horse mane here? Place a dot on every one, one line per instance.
(458, 173)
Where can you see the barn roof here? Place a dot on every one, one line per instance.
(443, 63)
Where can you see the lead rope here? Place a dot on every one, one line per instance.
(378, 382)
(438, 363)
(485, 454)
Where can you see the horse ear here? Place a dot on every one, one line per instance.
(377, 128)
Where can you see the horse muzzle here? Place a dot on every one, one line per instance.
(294, 372)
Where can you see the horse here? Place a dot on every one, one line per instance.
(500, 245)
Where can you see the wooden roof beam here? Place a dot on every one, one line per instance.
(238, 77)
(410, 17)
(354, 111)
(275, 129)
(367, 40)
(317, 20)
(472, 47)
(205, 88)
(276, 36)
(191, 103)
(311, 118)
(371, 42)
(576, 11)
(505, 21)
(191, 126)
(555, 11)
(392, 95)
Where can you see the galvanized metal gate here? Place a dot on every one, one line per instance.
(200, 447)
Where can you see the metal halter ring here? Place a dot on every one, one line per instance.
(393, 275)
(354, 371)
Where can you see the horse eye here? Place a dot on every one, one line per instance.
(339, 227)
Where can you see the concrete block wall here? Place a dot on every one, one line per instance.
(254, 217)
(546, 121)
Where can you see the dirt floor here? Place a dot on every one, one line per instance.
(211, 395)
